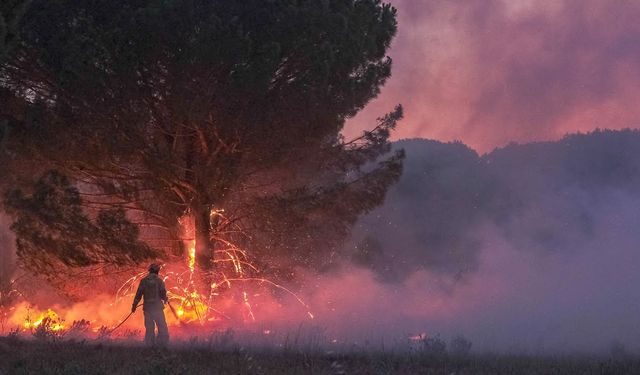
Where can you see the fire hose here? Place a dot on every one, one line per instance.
(121, 323)
(173, 311)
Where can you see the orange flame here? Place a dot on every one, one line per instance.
(51, 317)
(189, 302)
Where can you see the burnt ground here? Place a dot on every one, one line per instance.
(33, 356)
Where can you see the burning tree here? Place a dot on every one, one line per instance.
(222, 113)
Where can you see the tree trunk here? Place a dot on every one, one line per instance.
(204, 250)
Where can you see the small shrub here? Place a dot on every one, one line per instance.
(78, 329)
(433, 345)
(460, 346)
(618, 350)
(132, 334)
(47, 330)
(14, 334)
(103, 333)
(223, 340)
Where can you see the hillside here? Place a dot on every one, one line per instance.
(541, 197)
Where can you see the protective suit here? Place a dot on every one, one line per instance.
(153, 291)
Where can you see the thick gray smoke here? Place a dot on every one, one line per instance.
(528, 248)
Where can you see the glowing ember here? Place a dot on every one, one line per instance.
(248, 305)
(192, 255)
(190, 308)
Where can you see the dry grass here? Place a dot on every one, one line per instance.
(38, 356)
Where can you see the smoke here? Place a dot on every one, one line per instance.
(530, 248)
(488, 72)
(519, 300)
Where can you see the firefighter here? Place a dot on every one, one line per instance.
(155, 297)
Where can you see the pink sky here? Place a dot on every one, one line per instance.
(489, 72)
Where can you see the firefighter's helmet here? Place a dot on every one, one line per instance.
(154, 268)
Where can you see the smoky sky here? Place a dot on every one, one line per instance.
(490, 72)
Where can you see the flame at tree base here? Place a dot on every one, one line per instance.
(190, 313)
(219, 305)
(97, 317)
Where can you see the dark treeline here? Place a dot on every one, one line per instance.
(543, 197)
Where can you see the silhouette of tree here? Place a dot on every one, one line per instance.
(11, 12)
(51, 219)
(167, 108)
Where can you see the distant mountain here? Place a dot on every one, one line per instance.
(541, 197)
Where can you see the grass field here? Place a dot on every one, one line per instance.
(20, 356)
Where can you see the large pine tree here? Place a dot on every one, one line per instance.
(166, 108)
